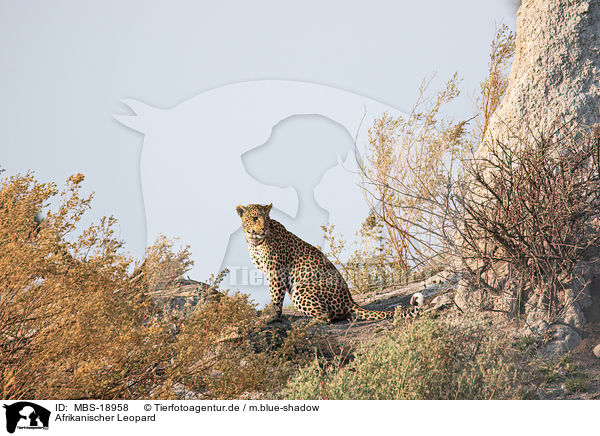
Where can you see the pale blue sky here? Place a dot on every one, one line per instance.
(66, 65)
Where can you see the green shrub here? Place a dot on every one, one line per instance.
(429, 359)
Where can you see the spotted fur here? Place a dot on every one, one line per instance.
(294, 266)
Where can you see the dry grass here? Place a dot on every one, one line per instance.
(427, 359)
(494, 87)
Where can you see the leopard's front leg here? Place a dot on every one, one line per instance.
(278, 286)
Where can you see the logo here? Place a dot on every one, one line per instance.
(26, 415)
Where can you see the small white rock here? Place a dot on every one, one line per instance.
(596, 351)
(417, 299)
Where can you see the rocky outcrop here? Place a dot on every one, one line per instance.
(554, 78)
(554, 83)
(183, 295)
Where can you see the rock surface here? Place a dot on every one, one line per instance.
(564, 338)
(554, 76)
(184, 295)
(553, 82)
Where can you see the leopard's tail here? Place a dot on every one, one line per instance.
(416, 303)
(368, 315)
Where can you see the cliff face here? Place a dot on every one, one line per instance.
(555, 75)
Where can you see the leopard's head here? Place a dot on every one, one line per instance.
(255, 221)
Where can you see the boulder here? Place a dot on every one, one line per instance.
(564, 338)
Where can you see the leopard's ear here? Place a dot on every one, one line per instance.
(268, 208)
(240, 210)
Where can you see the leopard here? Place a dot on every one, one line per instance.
(293, 266)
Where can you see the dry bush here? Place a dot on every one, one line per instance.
(412, 164)
(373, 264)
(211, 345)
(70, 324)
(494, 87)
(408, 170)
(216, 352)
(408, 166)
(74, 323)
(163, 267)
(514, 221)
(525, 218)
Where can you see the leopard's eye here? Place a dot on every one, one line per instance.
(255, 218)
